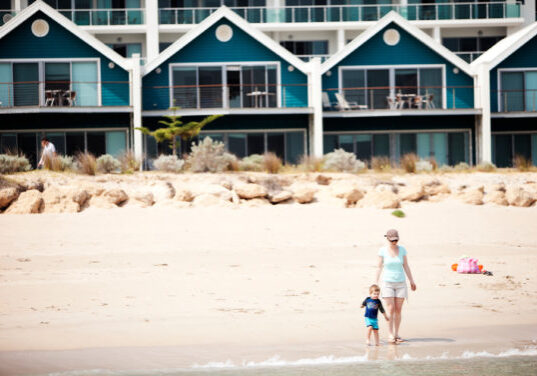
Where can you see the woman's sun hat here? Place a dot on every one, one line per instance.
(392, 235)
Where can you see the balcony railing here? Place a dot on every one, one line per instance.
(469, 56)
(105, 17)
(307, 58)
(350, 13)
(6, 15)
(230, 96)
(397, 98)
(517, 100)
(63, 94)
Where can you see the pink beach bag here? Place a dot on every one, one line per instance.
(468, 265)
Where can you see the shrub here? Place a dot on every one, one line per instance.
(408, 162)
(271, 163)
(521, 163)
(107, 164)
(310, 163)
(342, 161)
(13, 163)
(380, 164)
(59, 163)
(86, 163)
(210, 156)
(445, 168)
(424, 166)
(398, 213)
(252, 162)
(485, 167)
(168, 163)
(129, 162)
(462, 166)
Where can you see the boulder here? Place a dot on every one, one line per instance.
(414, 192)
(205, 200)
(517, 196)
(183, 194)
(249, 191)
(80, 196)
(226, 184)
(436, 189)
(385, 199)
(304, 194)
(163, 191)
(7, 196)
(496, 197)
(28, 202)
(115, 196)
(59, 200)
(473, 196)
(256, 202)
(101, 202)
(143, 198)
(215, 190)
(323, 180)
(384, 186)
(280, 196)
(347, 191)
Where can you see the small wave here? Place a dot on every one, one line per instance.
(277, 361)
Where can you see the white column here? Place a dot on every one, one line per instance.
(340, 39)
(437, 36)
(152, 33)
(315, 102)
(17, 5)
(404, 8)
(485, 136)
(136, 103)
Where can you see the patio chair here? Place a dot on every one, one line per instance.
(326, 101)
(429, 101)
(49, 98)
(343, 105)
(70, 97)
(418, 100)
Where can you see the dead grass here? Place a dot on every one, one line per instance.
(310, 163)
(87, 163)
(381, 164)
(408, 162)
(522, 163)
(129, 162)
(271, 163)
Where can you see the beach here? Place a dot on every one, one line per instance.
(184, 287)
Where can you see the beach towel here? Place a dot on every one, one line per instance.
(468, 265)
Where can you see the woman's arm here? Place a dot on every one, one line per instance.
(379, 269)
(408, 273)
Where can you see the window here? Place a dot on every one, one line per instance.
(306, 49)
(235, 86)
(505, 147)
(470, 48)
(518, 91)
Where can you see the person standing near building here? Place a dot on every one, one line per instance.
(48, 151)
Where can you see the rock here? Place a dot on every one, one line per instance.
(143, 198)
(383, 186)
(214, 189)
(304, 195)
(496, 197)
(33, 185)
(517, 196)
(381, 199)
(436, 189)
(323, 180)
(414, 192)
(496, 187)
(115, 196)
(7, 195)
(226, 184)
(80, 196)
(205, 200)
(249, 191)
(256, 202)
(280, 196)
(57, 200)
(163, 191)
(183, 194)
(101, 202)
(28, 202)
(473, 196)
(347, 191)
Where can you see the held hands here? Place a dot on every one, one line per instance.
(386, 317)
(412, 286)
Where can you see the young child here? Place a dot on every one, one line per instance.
(372, 305)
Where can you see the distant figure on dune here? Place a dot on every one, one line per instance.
(393, 265)
(49, 152)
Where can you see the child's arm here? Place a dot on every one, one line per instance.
(364, 303)
(381, 309)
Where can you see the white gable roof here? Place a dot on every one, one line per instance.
(225, 12)
(507, 46)
(404, 24)
(69, 25)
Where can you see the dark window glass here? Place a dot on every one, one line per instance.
(185, 92)
(26, 84)
(74, 143)
(28, 146)
(120, 49)
(451, 44)
(488, 42)
(96, 143)
(57, 76)
(237, 144)
(8, 143)
(381, 145)
(523, 145)
(294, 146)
(330, 143)
(162, 46)
(407, 143)
(379, 82)
(256, 143)
(456, 145)
(276, 144)
(363, 147)
(503, 150)
(210, 87)
(468, 44)
(234, 86)
(346, 142)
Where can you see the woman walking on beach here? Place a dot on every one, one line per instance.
(393, 265)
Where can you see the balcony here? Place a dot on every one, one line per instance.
(351, 13)
(105, 17)
(469, 56)
(308, 58)
(517, 100)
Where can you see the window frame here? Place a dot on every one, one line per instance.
(499, 84)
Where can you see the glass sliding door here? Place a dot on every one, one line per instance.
(85, 83)
(57, 76)
(276, 144)
(363, 147)
(116, 143)
(185, 91)
(233, 78)
(58, 140)
(457, 143)
(237, 144)
(353, 81)
(381, 145)
(512, 92)
(255, 143)
(26, 84)
(406, 81)
(522, 145)
(424, 145)
(378, 84)
(407, 143)
(75, 142)
(440, 148)
(27, 145)
(503, 147)
(259, 86)
(431, 86)
(530, 81)
(210, 87)
(6, 85)
(294, 145)
(346, 142)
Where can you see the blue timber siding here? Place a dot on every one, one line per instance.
(524, 57)
(21, 43)
(409, 51)
(241, 48)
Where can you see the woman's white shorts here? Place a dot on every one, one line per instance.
(394, 290)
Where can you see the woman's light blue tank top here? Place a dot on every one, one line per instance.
(393, 266)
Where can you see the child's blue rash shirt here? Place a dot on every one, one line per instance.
(372, 306)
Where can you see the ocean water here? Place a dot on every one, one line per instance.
(510, 363)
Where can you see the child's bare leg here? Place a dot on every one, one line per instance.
(368, 336)
(376, 334)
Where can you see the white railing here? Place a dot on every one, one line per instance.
(353, 13)
(309, 57)
(105, 17)
(468, 56)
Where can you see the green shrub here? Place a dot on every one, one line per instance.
(310, 163)
(252, 162)
(462, 166)
(423, 165)
(129, 162)
(168, 163)
(341, 161)
(485, 167)
(381, 164)
(210, 156)
(107, 164)
(398, 213)
(13, 163)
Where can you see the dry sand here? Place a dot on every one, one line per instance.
(158, 287)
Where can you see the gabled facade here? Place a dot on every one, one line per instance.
(59, 81)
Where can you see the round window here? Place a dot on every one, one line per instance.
(40, 28)
(391, 37)
(224, 33)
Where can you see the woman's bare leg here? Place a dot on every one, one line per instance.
(390, 310)
(398, 308)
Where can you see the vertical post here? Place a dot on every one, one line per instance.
(340, 39)
(403, 11)
(17, 6)
(437, 35)
(315, 101)
(152, 33)
(483, 79)
(136, 103)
